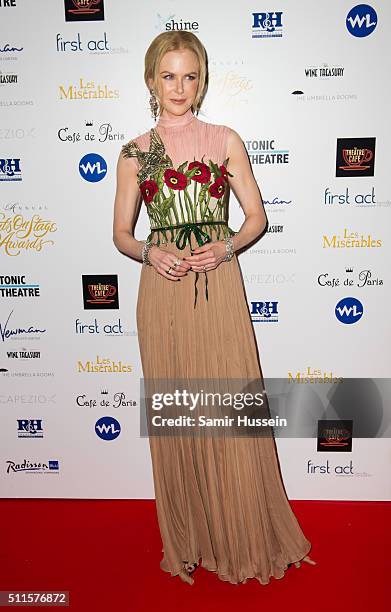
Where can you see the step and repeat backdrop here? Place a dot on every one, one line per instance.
(307, 88)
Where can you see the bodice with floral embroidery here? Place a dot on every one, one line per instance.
(181, 201)
(188, 201)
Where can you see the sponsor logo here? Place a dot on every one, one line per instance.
(24, 354)
(23, 399)
(264, 312)
(264, 152)
(313, 375)
(103, 133)
(17, 133)
(324, 72)
(16, 286)
(358, 199)
(100, 291)
(84, 10)
(30, 428)
(107, 428)
(10, 169)
(18, 233)
(109, 329)
(174, 24)
(7, 332)
(326, 468)
(275, 229)
(267, 25)
(87, 90)
(277, 202)
(9, 52)
(349, 310)
(117, 400)
(7, 3)
(92, 168)
(36, 467)
(335, 436)
(361, 20)
(103, 366)
(350, 240)
(364, 279)
(355, 157)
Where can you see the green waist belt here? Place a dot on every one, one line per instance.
(184, 237)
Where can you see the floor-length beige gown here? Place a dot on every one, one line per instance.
(220, 500)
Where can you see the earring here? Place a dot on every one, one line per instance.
(153, 103)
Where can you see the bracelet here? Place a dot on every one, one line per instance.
(229, 245)
(145, 252)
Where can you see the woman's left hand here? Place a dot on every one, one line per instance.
(209, 255)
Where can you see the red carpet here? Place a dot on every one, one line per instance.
(107, 553)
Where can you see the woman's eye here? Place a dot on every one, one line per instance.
(191, 77)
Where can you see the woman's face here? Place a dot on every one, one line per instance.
(178, 79)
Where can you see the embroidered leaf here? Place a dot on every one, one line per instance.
(203, 190)
(191, 173)
(225, 162)
(215, 169)
(167, 204)
(182, 167)
(159, 179)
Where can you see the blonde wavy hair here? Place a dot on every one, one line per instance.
(174, 41)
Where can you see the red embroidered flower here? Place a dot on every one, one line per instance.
(148, 190)
(217, 188)
(224, 172)
(174, 179)
(203, 173)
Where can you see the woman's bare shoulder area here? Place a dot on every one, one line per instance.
(224, 131)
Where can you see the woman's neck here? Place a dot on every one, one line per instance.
(167, 120)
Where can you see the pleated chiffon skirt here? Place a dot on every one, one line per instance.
(220, 500)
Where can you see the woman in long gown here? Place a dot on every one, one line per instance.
(220, 499)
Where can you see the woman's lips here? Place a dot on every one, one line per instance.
(178, 101)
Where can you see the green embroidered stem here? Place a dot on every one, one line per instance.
(213, 212)
(153, 213)
(174, 210)
(206, 207)
(171, 214)
(189, 205)
(201, 206)
(195, 200)
(220, 209)
(180, 204)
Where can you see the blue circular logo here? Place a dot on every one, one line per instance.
(92, 167)
(107, 428)
(361, 20)
(349, 310)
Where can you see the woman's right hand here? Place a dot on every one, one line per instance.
(163, 260)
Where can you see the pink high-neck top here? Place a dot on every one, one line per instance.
(187, 138)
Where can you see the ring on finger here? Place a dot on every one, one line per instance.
(169, 270)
